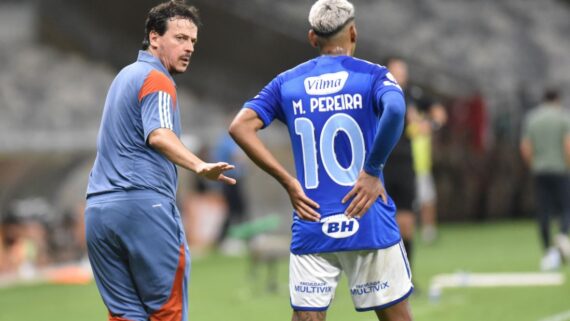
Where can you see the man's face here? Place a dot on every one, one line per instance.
(176, 46)
(399, 70)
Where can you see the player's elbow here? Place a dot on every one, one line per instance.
(156, 139)
(239, 129)
(397, 111)
(394, 115)
(394, 106)
(236, 127)
(245, 125)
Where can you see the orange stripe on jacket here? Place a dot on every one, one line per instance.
(157, 81)
(172, 309)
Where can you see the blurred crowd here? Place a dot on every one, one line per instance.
(35, 233)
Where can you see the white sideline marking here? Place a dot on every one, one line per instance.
(558, 317)
(456, 280)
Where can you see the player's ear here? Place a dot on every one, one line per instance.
(153, 39)
(313, 40)
(353, 33)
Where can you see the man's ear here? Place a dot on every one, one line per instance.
(153, 37)
(313, 39)
(353, 33)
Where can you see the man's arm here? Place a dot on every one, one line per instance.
(567, 149)
(526, 151)
(167, 143)
(243, 130)
(368, 186)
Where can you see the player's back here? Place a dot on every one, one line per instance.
(546, 127)
(331, 107)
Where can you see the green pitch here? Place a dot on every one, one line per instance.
(223, 288)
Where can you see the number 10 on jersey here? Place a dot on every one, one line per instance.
(345, 176)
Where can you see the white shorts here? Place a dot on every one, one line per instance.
(425, 188)
(377, 278)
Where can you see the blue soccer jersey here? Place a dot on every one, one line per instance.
(332, 107)
(142, 98)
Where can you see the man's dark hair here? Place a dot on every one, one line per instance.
(551, 95)
(158, 17)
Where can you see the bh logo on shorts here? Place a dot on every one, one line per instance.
(339, 226)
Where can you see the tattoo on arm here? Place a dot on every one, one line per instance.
(309, 316)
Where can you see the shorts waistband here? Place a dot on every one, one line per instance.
(125, 195)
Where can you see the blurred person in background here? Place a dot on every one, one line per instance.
(26, 246)
(545, 148)
(424, 118)
(344, 117)
(399, 175)
(2, 251)
(234, 195)
(203, 211)
(26, 236)
(135, 238)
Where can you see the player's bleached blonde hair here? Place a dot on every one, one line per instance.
(327, 17)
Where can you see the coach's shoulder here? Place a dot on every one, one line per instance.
(155, 81)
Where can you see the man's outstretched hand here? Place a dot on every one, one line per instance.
(215, 172)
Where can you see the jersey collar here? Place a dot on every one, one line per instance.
(145, 56)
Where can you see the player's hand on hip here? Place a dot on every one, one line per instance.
(364, 193)
(215, 172)
(303, 205)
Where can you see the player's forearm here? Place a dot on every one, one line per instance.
(263, 158)
(389, 132)
(169, 145)
(244, 131)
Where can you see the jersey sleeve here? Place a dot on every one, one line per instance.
(383, 83)
(157, 98)
(267, 104)
(390, 128)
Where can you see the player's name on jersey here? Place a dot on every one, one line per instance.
(329, 103)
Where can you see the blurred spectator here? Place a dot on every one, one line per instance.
(3, 257)
(204, 211)
(545, 148)
(25, 237)
(424, 118)
(399, 177)
(234, 195)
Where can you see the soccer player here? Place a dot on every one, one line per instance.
(545, 147)
(135, 237)
(344, 117)
(399, 177)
